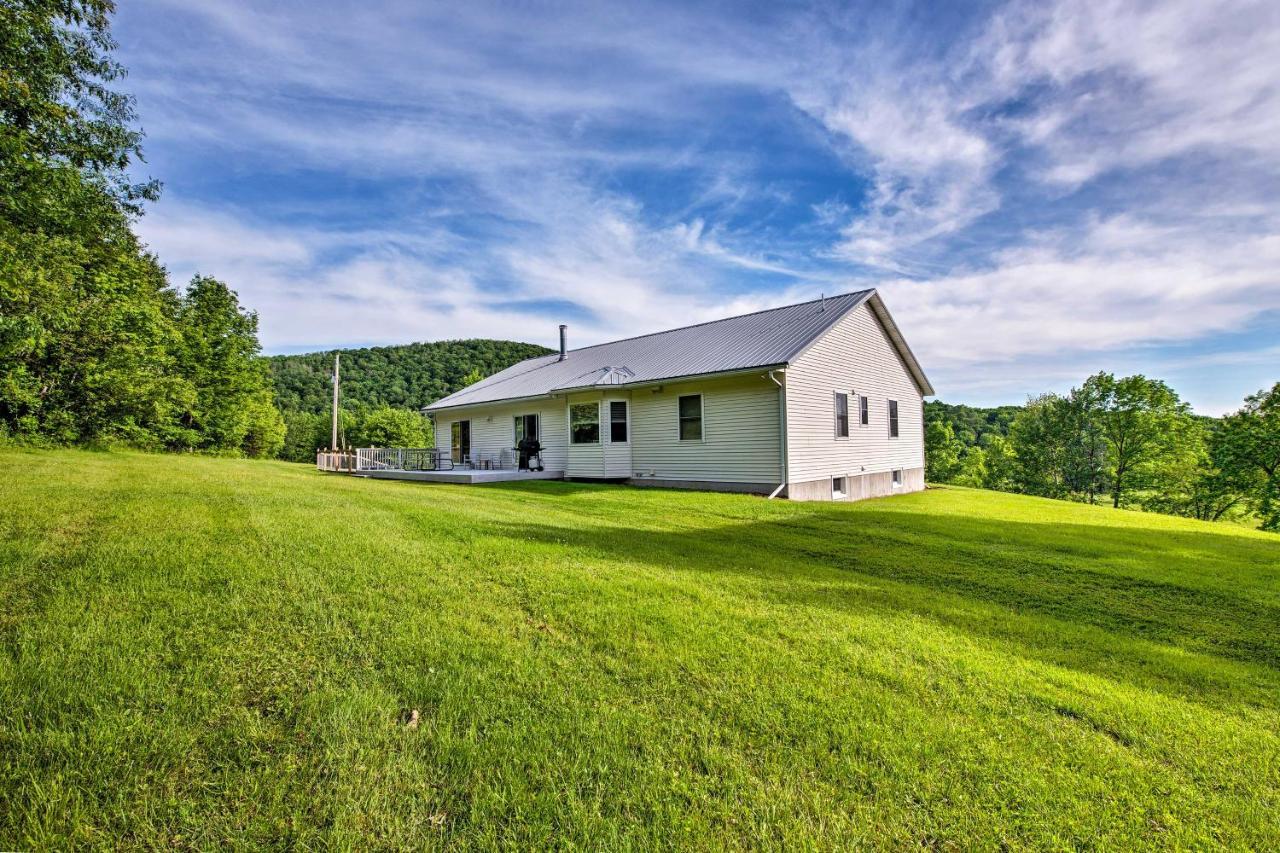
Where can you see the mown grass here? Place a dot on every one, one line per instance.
(202, 652)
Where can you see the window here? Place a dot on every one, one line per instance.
(842, 415)
(526, 427)
(460, 441)
(897, 478)
(691, 417)
(864, 411)
(618, 421)
(893, 419)
(584, 423)
(838, 489)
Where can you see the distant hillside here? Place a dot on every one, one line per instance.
(971, 423)
(405, 376)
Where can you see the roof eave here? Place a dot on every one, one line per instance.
(628, 386)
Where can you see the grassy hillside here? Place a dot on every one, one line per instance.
(202, 652)
(408, 376)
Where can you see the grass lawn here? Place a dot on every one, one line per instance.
(199, 652)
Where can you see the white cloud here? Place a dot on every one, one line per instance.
(525, 107)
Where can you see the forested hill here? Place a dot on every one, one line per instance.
(405, 376)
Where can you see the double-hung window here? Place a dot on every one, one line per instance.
(864, 411)
(584, 423)
(893, 419)
(691, 417)
(618, 421)
(842, 415)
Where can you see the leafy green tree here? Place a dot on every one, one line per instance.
(62, 126)
(1247, 447)
(1193, 482)
(305, 433)
(1043, 439)
(265, 427)
(218, 354)
(86, 339)
(972, 469)
(1144, 423)
(999, 464)
(941, 452)
(388, 427)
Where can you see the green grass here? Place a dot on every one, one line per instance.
(201, 652)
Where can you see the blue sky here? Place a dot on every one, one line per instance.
(1040, 189)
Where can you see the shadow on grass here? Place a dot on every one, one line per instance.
(974, 573)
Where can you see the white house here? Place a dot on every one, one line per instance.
(817, 401)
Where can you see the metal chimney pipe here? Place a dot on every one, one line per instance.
(563, 341)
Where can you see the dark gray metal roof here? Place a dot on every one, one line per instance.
(762, 339)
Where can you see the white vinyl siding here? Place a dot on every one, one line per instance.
(740, 432)
(857, 354)
(493, 428)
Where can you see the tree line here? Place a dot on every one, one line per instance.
(96, 346)
(1128, 441)
(383, 389)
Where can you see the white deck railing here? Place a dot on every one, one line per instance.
(397, 459)
(409, 459)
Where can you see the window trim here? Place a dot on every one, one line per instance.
(835, 403)
(537, 416)
(841, 493)
(702, 412)
(626, 421)
(572, 406)
(463, 458)
(891, 412)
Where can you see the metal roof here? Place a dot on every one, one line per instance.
(762, 339)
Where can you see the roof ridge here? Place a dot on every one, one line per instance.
(720, 320)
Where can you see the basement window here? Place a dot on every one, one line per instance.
(839, 488)
(897, 478)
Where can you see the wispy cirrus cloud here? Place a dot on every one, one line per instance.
(1038, 187)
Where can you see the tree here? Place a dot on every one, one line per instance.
(941, 452)
(218, 355)
(474, 376)
(86, 340)
(1144, 423)
(388, 427)
(999, 462)
(1041, 437)
(61, 124)
(973, 469)
(1247, 447)
(305, 433)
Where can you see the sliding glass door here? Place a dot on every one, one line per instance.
(460, 442)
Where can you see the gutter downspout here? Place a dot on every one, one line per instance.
(782, 428)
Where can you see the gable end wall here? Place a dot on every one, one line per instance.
(856, 357)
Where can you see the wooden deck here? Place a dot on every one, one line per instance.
(464, 476)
